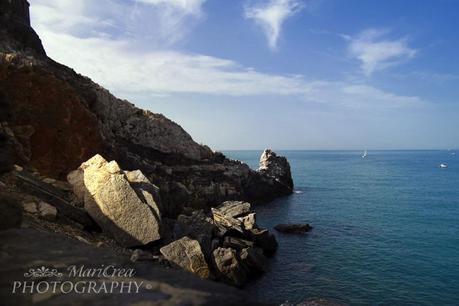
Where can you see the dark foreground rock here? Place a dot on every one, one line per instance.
(10, 212)
(24, 249)
(293, 228)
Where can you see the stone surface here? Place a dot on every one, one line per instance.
(47, 211)
(226, 221)
(277, 167)
(230, 270)
(293, 228)
(30, 207)
(249, 222)
(233, 209)
(187, 254)
(62, 200)
(23, 249)
(113, 203)
(199, 227)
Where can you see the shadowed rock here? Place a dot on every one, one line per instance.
(293, 228)
(228, 266)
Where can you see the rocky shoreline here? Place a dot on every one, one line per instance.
(87, 177)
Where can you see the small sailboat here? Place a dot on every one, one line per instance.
(364, 154)
(443, 166)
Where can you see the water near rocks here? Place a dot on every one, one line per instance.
(386, 228)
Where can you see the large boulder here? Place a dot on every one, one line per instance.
(125, 209)
(234, 209)
(187, 254)
(276, 167)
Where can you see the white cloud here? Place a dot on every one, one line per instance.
(128, 71)
(271, 16)
(187, 6)
(377, 53)
(155, 23)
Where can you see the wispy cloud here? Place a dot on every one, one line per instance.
(376, 52)
(271, 16)
(187, 6)
(129, 71)
(157, 23)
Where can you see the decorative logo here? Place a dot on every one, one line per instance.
(42, 272)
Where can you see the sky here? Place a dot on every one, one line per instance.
(283, 74)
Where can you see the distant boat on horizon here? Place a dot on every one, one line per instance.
(443, 165)
(364, 154)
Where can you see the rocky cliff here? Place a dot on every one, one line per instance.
(138, 188)
(58, 119)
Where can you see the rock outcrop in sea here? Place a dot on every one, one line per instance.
(80, 166)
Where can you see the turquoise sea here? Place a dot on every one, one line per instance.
(386, 228)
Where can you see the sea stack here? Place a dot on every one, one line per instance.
(276, 167)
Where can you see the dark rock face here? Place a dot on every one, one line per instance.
(276, 167)
(15, 20)
(293, 228)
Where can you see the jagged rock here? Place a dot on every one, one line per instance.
(10, 212)
(254, 260)
(47, 211)
(265, 240)
(112, 202)
(233, 209)
(227, 264)
(293, 228)
(249, 222)
(276, 167)
(197, 226)
(226, 221)
(236, 243)
(187, 254)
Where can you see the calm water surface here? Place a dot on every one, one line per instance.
(386, 228)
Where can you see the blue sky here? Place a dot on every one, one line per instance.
(285, 74)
